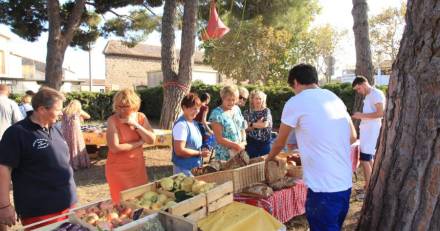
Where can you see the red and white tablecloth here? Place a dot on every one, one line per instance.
(283, 204)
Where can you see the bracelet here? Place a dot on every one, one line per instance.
(5, 206)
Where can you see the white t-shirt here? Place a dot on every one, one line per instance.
(180, 130)
(369, 129)
(322, 128)
(374, 97)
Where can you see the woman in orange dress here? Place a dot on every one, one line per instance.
(127, 131)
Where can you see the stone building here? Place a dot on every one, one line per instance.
(141, 66)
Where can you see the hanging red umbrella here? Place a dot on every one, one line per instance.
(216, 29)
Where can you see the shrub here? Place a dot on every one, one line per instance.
(99, 105)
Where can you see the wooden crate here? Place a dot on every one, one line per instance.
(169, 222)
(70, 218)
(220, 196)
(241, 177)
(247, 175)
(193, 208)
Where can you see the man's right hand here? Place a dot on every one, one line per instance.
(7, 216)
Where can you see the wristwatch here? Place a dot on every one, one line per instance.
(251, 124)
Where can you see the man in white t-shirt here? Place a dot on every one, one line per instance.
(371, 121)
(324, 132)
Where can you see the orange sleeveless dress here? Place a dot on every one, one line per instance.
(125, 170)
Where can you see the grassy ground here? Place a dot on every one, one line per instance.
(92, 186)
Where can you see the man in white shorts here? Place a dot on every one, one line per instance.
(371, 121)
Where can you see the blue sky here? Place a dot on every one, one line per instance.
(334, 12)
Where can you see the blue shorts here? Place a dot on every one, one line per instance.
(365, 157)
(327, 211)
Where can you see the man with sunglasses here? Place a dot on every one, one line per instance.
(243, 96)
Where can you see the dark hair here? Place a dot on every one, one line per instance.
(304, 74)
(46, 97)
(204, 96)
(190, 100)
(359, 80)
(30, 92)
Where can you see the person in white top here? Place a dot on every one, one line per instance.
(371, 122)
(324, 132)
(9, 111)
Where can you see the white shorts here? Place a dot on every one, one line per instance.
(369, 133)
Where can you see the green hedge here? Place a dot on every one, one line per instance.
(99, 105)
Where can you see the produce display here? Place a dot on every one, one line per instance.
(105, 215)
(68, 226)
(170, 191)
(153, 224)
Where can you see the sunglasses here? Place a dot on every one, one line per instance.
(242, 98)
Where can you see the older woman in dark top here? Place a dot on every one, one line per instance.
(259, 119)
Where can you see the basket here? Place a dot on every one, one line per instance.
(168, 221)
(295, 171)
(241, 177)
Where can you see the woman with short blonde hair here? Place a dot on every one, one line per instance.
(127, 131)
(71, 128)
(228, 124)
(259, 129)
(126, 97)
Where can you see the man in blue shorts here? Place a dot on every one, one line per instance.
(371, 122)
(324, 132)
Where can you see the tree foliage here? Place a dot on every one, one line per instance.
(252, 53)
(260, 45)
(28, 19)
(386, 30)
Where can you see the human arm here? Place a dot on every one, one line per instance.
(353, 133)
(205, 123)
(280, 142)
(16, 113)
(7, 212)
(180, 136)
(113, 139)
(179, 148)
(144, 130)
(374, 115)
(84, 115)
(218, 133)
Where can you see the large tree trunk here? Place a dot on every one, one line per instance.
(176, 85)
(404, 190)
(58, 41)
(364, 65)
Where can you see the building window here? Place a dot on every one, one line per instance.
(2, 62)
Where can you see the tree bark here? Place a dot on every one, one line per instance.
(176, 85)
(58, 41)
(404, 190)
(364, 65)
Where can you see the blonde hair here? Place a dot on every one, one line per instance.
(243, 91)
(26, 99)
(127, 97)
(72, 108)
(262, 95)
(230, 90)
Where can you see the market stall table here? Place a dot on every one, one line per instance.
(239, 217)
(98, 138)
(283, 204)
